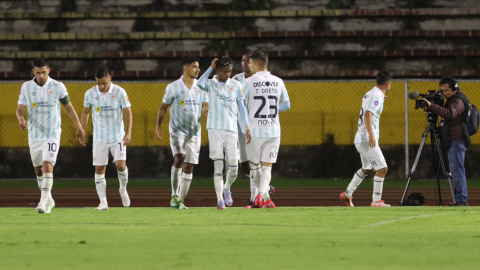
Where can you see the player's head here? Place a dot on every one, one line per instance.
(258, 61)
(449, 86)
(190, 66)
(246, 62)
(41, 70)
(103, 78)
(384, 80)
(224, 68)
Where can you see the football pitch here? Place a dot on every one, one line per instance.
(205, 238)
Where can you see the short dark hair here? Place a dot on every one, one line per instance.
(450, 80)
(187, 60)
(383, 77)
(225, 61)
(40, 62)
(102, 72)
(260, 57)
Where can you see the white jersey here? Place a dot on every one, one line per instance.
(372, 101)
(222, 112)
(43, 108)
(107, 113)
(263, 92)
(241, 126)
(185, 108)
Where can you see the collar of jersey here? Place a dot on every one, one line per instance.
(217, 81)
(109, 90)
(193, 85)
(378, 89)
(262, 72)
(44, 85)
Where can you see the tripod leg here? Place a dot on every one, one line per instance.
(440, 202)
(442, 164)
(415, 163)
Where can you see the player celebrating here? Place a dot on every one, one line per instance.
(242, 138)
(366, 142)
(187, 104)
(263, 92)
(226, 97)
(109, 102)
(41, 97)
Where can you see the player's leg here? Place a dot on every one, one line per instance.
(36, 156)
(253, 154)
(231, 147)
(375, 156)
(178, 150)
(269, 155)
(359, 175)
(192, 148)
(215, 141)
(119, 153)
(49, 158)
(245, 166)
(100, 161)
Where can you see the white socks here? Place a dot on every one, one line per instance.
(101, 186)
(47, 184)
(231, 176)
(377, 188)
(218, 178)
(123, 179)
(175, 176)
(256, 174)
(184, 186)
(265, 182)
(356, 181)
(253, 188)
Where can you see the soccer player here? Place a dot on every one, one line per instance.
(366, 142)
(226, 97)
(41, 98)
(109, 102)
(242, 138)
(265, 97)
(187, 104)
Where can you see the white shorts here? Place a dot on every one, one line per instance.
(263, 149)
(44, 151)
(242, 153)
(371, 157)
(189, 147)
(100, 152)
(220, 141)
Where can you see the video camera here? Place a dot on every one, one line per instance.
(435, 97)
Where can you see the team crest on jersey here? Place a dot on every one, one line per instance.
(34, 105)
(182, 102)
(231, 88)
(98, 109)
(213, 151)
(50, 92)
(197, 90)
(113, 97)
(103, 116)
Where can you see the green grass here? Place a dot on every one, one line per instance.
(241, 182)
(205, 238)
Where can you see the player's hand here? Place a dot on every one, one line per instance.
(428, 103)
(372, 142)
(127, 139)
(23, 124)
(214, 63)
(249, 136)
(205, 111)
(159, 133)
(81, 136)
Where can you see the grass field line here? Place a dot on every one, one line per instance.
(158, 224)
(412, 217)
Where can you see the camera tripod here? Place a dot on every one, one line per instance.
(434, 133)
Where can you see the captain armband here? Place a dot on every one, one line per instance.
(65, 100)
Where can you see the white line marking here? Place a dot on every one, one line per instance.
(408, 218)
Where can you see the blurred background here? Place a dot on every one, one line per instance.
(327, 51)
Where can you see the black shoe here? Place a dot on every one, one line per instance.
(458, 204)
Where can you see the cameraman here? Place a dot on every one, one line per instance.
(455, 136)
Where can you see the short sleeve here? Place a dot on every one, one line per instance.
(240, 94)
(205, 97)
(22, 100)
(63, 91)
(245, 86)
(284, 95)
(374, 104)
(168, 96)
(86, 101)
(125, 101)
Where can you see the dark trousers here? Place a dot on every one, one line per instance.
(456, 158)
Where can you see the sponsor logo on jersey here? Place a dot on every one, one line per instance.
(96, 98)
(182, 92)
(182, 102)
(274, 152)
(50, 92)
(128, 100)
(98, 109)
(33, 93)
(262, 84)
(365, 97)
(376, 103)
(197, 90)
(103, 116)
(113, 97)
(34, 105)
(185, 110)
(42, 112)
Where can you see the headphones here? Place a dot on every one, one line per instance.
(452, 83)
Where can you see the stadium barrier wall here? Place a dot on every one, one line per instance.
(317, 132)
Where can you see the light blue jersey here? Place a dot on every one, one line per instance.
(241, 127)
(372, 101)
(43, 108)
(107, 113)
(223, 108)
(263, 94)
(185, 108)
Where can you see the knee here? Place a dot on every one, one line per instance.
(382, 172)
(188, 168)
(178, 160)
(121, 167)
(47, 167)
(100, 169)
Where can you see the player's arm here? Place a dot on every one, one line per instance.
(203, 79)
(243, 115)
(162, 111)
(72, 114)
(284, 100)
(84, 118)
(368, 124)
(205, 109)
(127, 112)
(20, 116)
